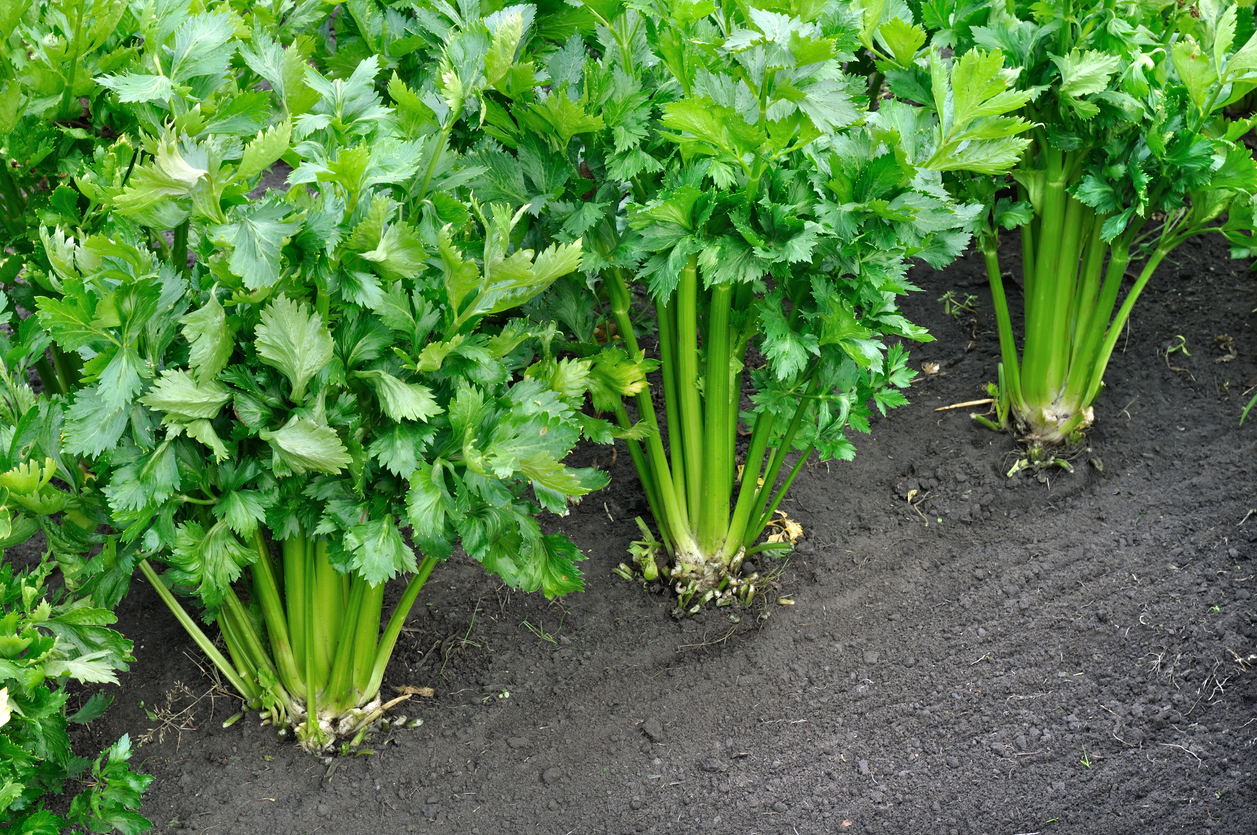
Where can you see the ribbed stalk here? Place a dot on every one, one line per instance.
(688, 433)
(1003, 323)
(748, 488)
(1057, 342)
(644, 474)
(778, 460)
(236, 650)
(754, 531)
(246, 637)
(296, 595)
(714, 513)
(1098, 323)
(665, 316)
(340, 684)
(388, 640)
(1039, 297)
(327, 609)
(1089, 285)
(179, 248)
(267, 591)
(311, 667)
(1119, 321)
(1029, 235)
(654, 469)
(366, 635)
(248, 690)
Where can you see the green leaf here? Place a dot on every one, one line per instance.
(559, 574)
(428, 506)
(305, 446)
(402, 401)
(1244, 61)
(1195, 69)
(838, 323)
(971, 100)
(203, 431)
(559, 118)
(211, 339)
(461, 276)
(138, 87)
(902, 40)
(256, 236)
(1085, 72)
(91, 427)
(70, 324)
(93, 667)
(209, 560)
(378, 552)
(398, 447)
(283, 69)
(788, 351)
(177, 393)
(1223, 37)
(722, 127)
(556, 261)
(545, 471)
(119, 381)
(242, 510)
(262, 152)
(142, 479)
(93, 708)
(293, 339)
(204, 45)
(398, 254)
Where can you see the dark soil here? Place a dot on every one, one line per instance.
(995, 656)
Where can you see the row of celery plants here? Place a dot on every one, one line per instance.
(263, 391)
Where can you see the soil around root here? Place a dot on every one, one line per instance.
(964, 654)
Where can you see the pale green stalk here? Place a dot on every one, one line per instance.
(249, 690)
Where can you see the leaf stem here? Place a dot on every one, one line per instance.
(713, 524)
(753, 533)
(1119, 321)
(249, 691)
(690, 428)
(665, 317)
(1003, 321)
(267, 591)
(749, 487)
(179, 249)
(393, 630)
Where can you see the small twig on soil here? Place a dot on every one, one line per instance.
(1242, 662)
(726, 637)
(985, 401)
(1181, 748)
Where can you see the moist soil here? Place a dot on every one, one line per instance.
(946, 651)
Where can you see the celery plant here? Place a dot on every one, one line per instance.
(1132, 154)
(720, 159)
(337, 365)
(54, 625)
(52, 117)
